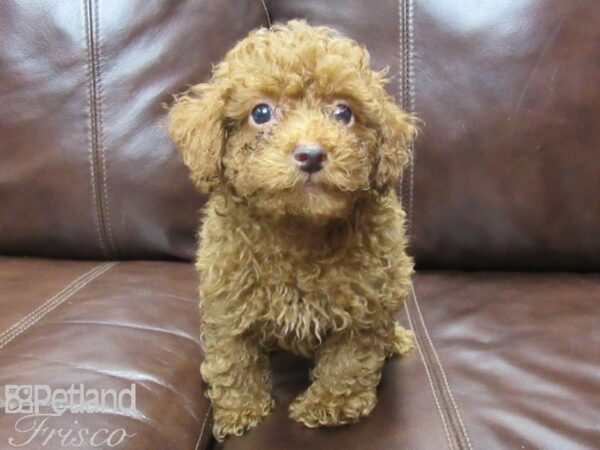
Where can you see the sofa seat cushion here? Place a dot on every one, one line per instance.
(504, 360)
(106, 326)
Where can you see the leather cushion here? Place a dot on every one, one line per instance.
(505, 171)
(106, 325)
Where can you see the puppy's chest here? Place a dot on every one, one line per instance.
(298, 321)
(304, 302)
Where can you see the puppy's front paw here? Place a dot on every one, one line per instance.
(236, 421)
(314, 409)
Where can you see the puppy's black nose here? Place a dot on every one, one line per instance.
(310, 157)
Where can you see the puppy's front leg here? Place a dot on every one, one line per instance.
(237, 372)
(345, 377)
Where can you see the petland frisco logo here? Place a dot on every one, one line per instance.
(40, 398)
(39, 405)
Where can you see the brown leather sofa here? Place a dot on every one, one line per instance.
(97, 220)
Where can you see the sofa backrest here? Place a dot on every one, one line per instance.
(505, 174)
(86, 168)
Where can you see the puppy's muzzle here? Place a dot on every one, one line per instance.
(310, 158)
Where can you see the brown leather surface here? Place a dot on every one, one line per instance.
(519, 352)
(130, 322)
(511, 358)
(15, 274)
(506, 169)
(86, 169)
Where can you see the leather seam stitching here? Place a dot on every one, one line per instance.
(97, 150)
(406, 98)
(445, 384)
(431, 384)
(202, 429)
(31, 319)
(401, 72)
(92, 128)
(264, 5)
(410, 100)
(100, 125)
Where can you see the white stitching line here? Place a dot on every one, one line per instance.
(49, 305)
(68, 287)
(91, 131)
(400, 78)
(100, 126)
(406, 93)
(264, 4)
(401, 71)
(462, 425)
(435, 398)
(202, 429)
(411, 102)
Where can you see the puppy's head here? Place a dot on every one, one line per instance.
(293, 122)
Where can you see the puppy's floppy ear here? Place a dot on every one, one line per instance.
(397, 131)
(196, 126)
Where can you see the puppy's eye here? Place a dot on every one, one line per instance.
(261, 114)
(343, 113)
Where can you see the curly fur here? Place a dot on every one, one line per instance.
(320, 271)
